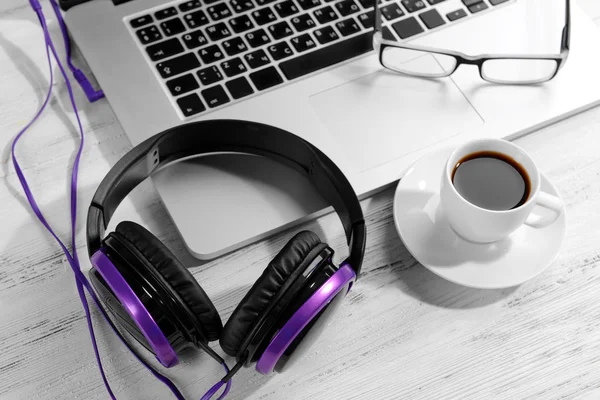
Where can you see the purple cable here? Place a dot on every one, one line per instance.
(91, 93)
(81, 281)
(211, 392)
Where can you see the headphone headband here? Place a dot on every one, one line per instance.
(214, 136)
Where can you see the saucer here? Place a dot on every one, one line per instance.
(427, 235)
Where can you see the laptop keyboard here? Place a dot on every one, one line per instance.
(208, 54)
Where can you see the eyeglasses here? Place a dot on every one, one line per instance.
(509, 69)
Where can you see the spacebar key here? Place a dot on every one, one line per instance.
(327, 56)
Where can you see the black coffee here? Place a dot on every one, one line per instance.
(491, 180)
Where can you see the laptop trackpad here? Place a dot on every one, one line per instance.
(383, 116)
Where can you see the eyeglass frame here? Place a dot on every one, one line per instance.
(380, 44)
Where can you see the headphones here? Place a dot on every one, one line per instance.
(157, 300)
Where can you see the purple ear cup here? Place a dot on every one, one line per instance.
(311, 316)
(135, 308)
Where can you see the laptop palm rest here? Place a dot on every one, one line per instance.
(368, 115)
(238, 199)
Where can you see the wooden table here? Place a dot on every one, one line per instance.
(403, 333)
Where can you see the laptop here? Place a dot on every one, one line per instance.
(307, 66)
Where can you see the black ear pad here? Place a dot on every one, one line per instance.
(264, 289)
(175, 274)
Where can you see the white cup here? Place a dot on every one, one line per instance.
(481, 225)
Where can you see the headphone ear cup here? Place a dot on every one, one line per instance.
(279, 274)
(174, 273)
(132, 302)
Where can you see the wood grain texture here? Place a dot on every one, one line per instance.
(403, 333)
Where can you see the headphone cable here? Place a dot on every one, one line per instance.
(92, 94)
(72, 258)
(225, 381)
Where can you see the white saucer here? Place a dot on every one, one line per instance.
(425, 231)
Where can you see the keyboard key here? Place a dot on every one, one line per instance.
(308, 4)
(172, 27)
(434, 2)
(257, 38)
(141, 21)
(209, 75)
(189, 5)
(348, 27)
(303, 42)
(366, 19)
(176, 66)
(368, 4)
(219, 11)
(218, 31)
(264, 2)
(496, 2)
(327, 56)
(286, 8)
(164, 49)
(239, 88)
(234, 46)
(407, 27)
(241, 24)
(207, 2)
(458, 14)
(215, 96)
(240, 6)
(280, 30)
(387, 34)
(414, 5)
(233, 67)
(266, 78)
(280, 50)
(166, 13)
(303, 22)
(195, 19)
(182, 84)
(432, 18)
(149, 35)
(264, 16)
(326, 34)
(392, 11)
(211, 54)
(325, 15)
(469, 3)
(190, 104)
(478, 7)
(194, 39)
(257, 59)
(346, 7)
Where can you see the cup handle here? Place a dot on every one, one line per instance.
(547, 201)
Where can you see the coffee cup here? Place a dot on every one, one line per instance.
(491, 187)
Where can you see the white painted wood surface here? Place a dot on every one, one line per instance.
(402, 334)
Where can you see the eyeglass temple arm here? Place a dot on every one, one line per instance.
(566, 34)
(376, 17)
